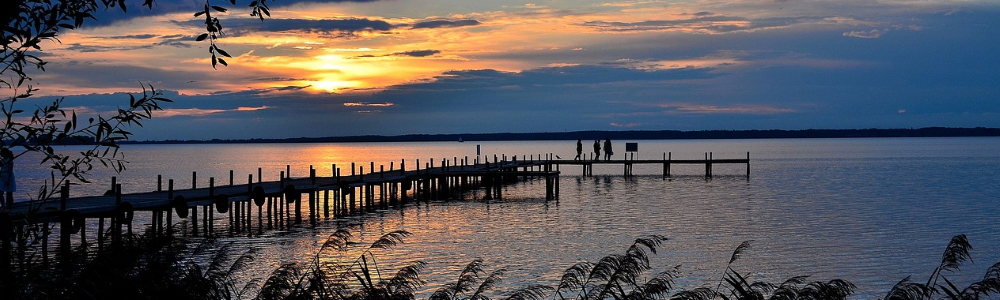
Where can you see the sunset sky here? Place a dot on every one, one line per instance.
(392, 67)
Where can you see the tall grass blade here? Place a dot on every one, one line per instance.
(531, 292)
(739, 251)
(574, 279)
(908, 290)
(956, 253)
(701, 293)
(489, 283)
(391, 239)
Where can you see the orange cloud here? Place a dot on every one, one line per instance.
(198, 112)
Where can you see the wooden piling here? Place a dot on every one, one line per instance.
(748, 165)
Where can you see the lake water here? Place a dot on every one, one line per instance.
(871, 211)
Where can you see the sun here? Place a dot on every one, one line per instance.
(333, 85)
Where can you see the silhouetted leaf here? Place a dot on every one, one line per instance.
(223, 52)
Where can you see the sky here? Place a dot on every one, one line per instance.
(394, 67)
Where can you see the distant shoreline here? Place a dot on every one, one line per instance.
(619, 135)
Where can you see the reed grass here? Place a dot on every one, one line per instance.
(156, 268)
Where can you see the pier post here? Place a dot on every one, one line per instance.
(65, 226)
(170, 214)
(666, 165)
(708, 164)
(249, 214)
(100, 234)
(206, 212)
(352, 206)
(313, 198)
(313, 207)
(549, 188)
(194, 220)
(326, 204)
(211, 214)
(282, 201)
(748, 165)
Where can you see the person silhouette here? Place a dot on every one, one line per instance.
(607, 149)
(597, 150)
(7, 184)
(579, 149)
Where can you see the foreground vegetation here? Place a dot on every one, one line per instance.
(146, 268)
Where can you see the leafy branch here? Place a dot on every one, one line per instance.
(213, 27)
(52, 125)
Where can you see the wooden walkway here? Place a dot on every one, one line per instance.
(278, 204)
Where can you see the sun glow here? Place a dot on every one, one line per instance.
(332, 85)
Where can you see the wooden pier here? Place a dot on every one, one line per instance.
(252, 206)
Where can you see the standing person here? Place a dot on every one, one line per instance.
(597, 150)
(7, 185)
(579, 149)
(607, 149)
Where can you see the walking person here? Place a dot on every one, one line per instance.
(7, 185)
(579, 149)
(597, 150)
(607, 149)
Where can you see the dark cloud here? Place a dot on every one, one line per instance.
(717, 24)
(417, 53)
(291, 88)
(98, 48)
(445, 24)
(108, 16)
(270, 79)
(131, 37)
(335, 27)
(413, 53)
(483, 81)
(176, 40)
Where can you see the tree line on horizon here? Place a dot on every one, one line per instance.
(616, 135)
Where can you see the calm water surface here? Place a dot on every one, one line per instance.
(871, 211)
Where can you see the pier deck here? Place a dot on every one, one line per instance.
(279, 203)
